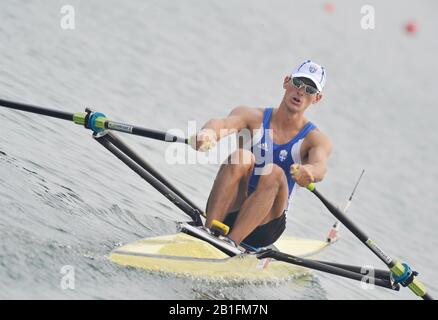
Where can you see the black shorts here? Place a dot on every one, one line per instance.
(265, 234)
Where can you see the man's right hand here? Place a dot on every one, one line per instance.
(204, 140)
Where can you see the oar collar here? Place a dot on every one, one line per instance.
(90, 120)
(406, 278)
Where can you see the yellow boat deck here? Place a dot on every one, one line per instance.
(184, 255)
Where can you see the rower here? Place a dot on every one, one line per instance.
(254, 187)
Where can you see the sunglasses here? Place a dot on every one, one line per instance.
(298, 83)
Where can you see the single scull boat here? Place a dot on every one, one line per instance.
(199, 251)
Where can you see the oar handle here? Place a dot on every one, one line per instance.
(311, 186)
(294, 170)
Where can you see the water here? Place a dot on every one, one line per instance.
(67, 201)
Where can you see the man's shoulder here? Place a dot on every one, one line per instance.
(248, 110)
(318, 138)
(251, 115)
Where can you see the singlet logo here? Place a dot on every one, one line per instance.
(263, 146)
(283, 155)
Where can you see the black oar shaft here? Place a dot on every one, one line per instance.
(157, 135)
(159, 186)
(144, 132)
(111, 125)
(341, 217)
(427, 297)
(141, 162)
(395, 266)
(316, 265)
(35, 109)
(376, 273)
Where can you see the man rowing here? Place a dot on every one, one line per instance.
(254, 186)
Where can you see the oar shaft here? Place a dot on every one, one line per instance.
(327, 268)
(395, 266)
(146, 166)
(100, 122)
(153, 181)
(427, 297)
(144, 132)
(377, 273)
(341, 217)
(35, 109)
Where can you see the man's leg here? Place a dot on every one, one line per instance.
(230, 186)
(266, 203)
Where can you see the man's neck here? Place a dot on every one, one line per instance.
(285, 119)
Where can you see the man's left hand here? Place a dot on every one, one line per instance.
(301, 174)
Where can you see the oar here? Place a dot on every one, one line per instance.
(123, 152)
(146, 166)
(377, 273)
(95, 121)
(403, 273)
(350, 272)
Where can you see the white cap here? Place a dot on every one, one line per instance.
(313, 71)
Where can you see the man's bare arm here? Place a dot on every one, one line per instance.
(215, 129)
(315, 166)
(238, 119)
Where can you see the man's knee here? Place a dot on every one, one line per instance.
(242, 160)
(273, 174)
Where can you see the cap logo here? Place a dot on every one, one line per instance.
(312, 69)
